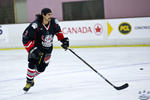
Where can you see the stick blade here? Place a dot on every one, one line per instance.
(122, 87)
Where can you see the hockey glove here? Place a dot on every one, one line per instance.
(65, 43)
(34, 54)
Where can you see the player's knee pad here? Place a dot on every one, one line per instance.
(44, 63)
(32, 65)
(42, 67)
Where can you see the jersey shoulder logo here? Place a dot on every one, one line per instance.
(34, 25)
(56, 21)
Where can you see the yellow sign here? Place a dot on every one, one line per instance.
(125, 28)
(109, 28)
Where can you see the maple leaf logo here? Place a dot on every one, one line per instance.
(98, 29)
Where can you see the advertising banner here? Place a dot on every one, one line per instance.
(125, 31)
(129, 28)
(3, 34)
(84, 30)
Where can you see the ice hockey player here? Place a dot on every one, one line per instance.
(38, 41)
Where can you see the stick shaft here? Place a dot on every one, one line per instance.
(118, 88)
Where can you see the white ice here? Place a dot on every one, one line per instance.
(68, 78)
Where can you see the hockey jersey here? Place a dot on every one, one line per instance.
(41, 36)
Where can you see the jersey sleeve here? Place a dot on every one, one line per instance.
(58, 31)
(29, 36)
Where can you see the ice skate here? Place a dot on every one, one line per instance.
(29, 84)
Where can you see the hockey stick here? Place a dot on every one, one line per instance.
(116, 87)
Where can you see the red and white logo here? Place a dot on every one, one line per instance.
(47, 40)
(98, 29)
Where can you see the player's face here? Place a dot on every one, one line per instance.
(47, 17)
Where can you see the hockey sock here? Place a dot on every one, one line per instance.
(36, 73)
(30, 73)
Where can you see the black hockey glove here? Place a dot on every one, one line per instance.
(34, 54)
(65, 43)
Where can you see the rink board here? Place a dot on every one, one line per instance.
(108, 32)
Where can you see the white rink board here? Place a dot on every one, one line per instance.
(87, 33)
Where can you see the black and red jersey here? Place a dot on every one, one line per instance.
(41, 36)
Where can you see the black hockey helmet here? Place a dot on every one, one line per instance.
(44, 11)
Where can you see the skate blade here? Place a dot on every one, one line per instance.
(25, 92)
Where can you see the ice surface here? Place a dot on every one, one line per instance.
(68, 78)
